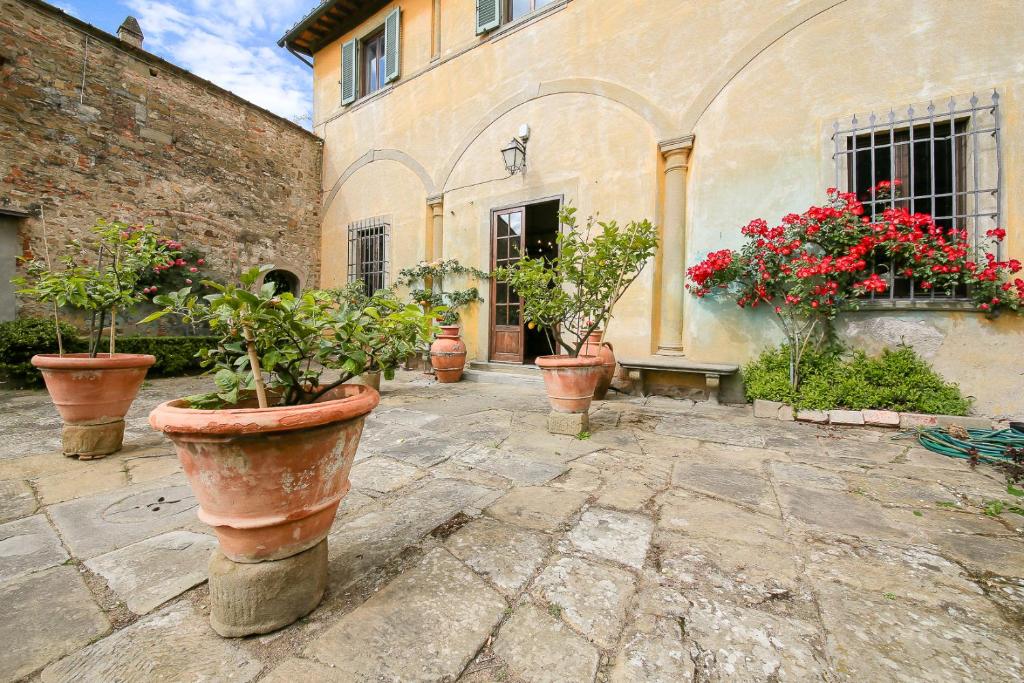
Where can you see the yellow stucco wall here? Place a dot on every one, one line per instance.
(601, 83)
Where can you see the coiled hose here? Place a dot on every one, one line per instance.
(981, 445)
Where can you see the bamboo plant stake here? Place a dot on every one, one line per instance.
(254, 363)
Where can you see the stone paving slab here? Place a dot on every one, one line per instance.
(149, 573)
(98, 524)
(512, 466)
(590, 597)
(508, 556)
(538, 647)
(27, 545)
(654, 652)
(383, 475)
(16, 500)
(613, 535)
(46, 615)
(387, 638)
(534, 507)
(174, 644)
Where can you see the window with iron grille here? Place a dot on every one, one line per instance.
(369, 245)
(940, 159)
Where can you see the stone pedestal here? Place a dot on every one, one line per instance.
(87, 442)
(247, 599)
(568, 423)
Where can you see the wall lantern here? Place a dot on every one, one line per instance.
(515, 156)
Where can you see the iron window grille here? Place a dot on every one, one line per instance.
(947, 162)
(369, 243)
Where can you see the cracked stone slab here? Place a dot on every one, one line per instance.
(94, 476)
(364, 541)
(712, 430)
(730, 643)
(541, 649)
(174, 644)
(424, 450)
(149, 573)
(745, 486)
(617, 536)
(46, 615)
(654, 652)
(27, 545)
(296, 669)
(521, 470)
(875, 638)
(16, 500)
(383, 475)
(405, 417)
(98, 524)
(798, 474)
(839, 512)
(1001, 556)
(592, 598)
(750, 573)
(541, 508)
(709, 518)
(507, 555)
(395, 636)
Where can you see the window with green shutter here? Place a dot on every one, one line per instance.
(349, 71)
(392, 40)
(488, 15)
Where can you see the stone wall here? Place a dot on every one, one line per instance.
(146, 141)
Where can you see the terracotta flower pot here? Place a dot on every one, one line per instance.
(570, 381)
(269, 480)
(603, 350)
(92, 396)
(448, 355)
(371, 379)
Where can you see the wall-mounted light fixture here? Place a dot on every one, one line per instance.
(515, 156)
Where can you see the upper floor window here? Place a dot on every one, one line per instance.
(373, 58)
(942, 160)
(490, 14)
(369, 63)
(515, 9)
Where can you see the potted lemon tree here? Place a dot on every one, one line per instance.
(98, 276)
(572, 296)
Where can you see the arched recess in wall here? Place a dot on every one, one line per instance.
(283, 280)
(661, 123)
(380, 155)
(740, 59)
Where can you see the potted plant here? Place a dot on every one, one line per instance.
(596, 346)
(426, 283)
(268, 454)
(100, 276)
(572, 295)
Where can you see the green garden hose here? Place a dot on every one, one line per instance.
(982, 445)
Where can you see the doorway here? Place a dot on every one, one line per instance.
(529, 229)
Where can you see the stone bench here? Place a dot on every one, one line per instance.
(637, 368)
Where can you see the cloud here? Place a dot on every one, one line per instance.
(233, 44)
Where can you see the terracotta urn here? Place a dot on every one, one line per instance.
(269, 480)
(448, 355)
(570, 381)
(92, 396)
(603, 350)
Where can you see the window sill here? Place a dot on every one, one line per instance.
(366, 99)
(948, 305)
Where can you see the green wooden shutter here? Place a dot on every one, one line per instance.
(488, 15)
(392, 37)
(349, 72)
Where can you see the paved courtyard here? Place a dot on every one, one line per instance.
(678, 542)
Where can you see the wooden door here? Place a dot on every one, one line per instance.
(508, 243)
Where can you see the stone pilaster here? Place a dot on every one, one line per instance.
(673, 245)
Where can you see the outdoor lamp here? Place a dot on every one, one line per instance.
(515, 156)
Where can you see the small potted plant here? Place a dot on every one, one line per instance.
(426, 283)
(268, 454)
(100, 276)
(572, 295)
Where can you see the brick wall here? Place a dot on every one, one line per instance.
(145, 141)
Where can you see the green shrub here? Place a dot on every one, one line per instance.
(898, 380)
(175, 356)
(23, 338)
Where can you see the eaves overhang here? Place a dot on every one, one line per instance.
(329, 20)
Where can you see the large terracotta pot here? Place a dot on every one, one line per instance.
(269, 480)
(570, 381)
(603, 350)
(92, 396)
(448, 355)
